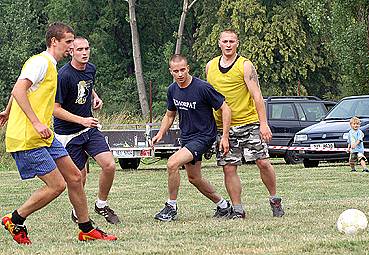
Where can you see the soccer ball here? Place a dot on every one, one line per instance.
(351, 222)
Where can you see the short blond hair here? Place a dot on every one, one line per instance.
(354, 120)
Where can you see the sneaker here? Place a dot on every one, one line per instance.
(223, 212)
(75, 219)
(108, 213)
(96, 234)
(237, 215)
(353, 170)
(366, 170)
(18, 232)
(168, 213)
(276, 204)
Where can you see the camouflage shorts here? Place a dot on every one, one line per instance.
(356, 157)
(244, 142)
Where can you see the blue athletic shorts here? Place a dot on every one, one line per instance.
(89, 143)
(198, 147)
(38, 161)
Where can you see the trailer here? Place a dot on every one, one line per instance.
(130, 143)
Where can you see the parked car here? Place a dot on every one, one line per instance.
(289, 114)
(332, 132)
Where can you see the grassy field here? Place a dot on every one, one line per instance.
(313, 199)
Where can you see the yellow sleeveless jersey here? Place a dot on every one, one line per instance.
(20, 134)
(232, 85)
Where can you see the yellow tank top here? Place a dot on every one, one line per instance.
(232, 85)
(20, 134)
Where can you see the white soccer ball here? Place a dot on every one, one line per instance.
(352, 222)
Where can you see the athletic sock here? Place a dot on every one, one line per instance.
(222, 203)
(101, 203)
(17, 219)
(173, 203)
(85, 227)
(238, 208)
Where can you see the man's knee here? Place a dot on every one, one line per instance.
(109, 167)
(172, 165)
(264, 164)
(59, 187)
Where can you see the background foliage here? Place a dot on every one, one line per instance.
(321, 45)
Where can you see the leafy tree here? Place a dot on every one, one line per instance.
(350, 29)
(21, 36)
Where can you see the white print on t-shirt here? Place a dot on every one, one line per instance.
(83, 89)
(184, 105)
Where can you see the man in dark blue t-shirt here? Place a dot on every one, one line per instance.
(76, 128)
(194, 100)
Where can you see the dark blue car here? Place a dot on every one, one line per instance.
(332, 132)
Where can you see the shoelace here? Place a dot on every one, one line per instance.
(105, 211)
(102, 232)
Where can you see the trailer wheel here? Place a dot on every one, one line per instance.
(129, 163)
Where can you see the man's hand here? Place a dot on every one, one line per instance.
(4, 116)
(224, 145)
(90, 122)
(265, 133)
(43, 130)
(97, 103)
(155, 139)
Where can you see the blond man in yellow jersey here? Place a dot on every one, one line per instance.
(235, 77)
(32, 143)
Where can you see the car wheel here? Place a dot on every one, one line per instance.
(292, 157)
(129, 163)
(310, 163)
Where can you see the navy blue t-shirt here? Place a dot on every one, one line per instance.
(194, 105)
(74, 94)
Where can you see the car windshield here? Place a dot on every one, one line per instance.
(348, 108)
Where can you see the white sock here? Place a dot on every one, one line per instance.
(74, 212)
(172, 203)
(222, 203)
(101, 203)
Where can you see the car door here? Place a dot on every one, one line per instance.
(310, 113)
(283, 122)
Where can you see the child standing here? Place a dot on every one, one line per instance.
(356, 145)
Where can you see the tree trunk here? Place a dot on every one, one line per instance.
(137, 59)
(185, 10)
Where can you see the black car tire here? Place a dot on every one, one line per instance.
(129, 163)
(310, 163)
(291, 157)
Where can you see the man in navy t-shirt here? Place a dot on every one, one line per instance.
(76, 128)
(194, 100)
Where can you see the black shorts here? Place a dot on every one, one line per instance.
(89, 143)
(198, 147)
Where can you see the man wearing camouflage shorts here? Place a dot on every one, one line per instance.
(235, 77)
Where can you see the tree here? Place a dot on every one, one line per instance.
(185, 9)
(21, 36)
(137, 58)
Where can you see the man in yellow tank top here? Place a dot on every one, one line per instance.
(32, 144)
(235, 77)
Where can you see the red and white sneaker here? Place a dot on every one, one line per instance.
(18, 232)
(96, 234)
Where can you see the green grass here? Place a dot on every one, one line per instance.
(313, 199)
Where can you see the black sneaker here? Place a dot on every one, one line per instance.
(353, 170)
(223, 212)
(366, 170)
(276, 204)
(75, 219)
(108, 213)
(237, 215)
(168, 213)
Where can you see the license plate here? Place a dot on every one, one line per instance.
(322, 146)
(123, 153)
